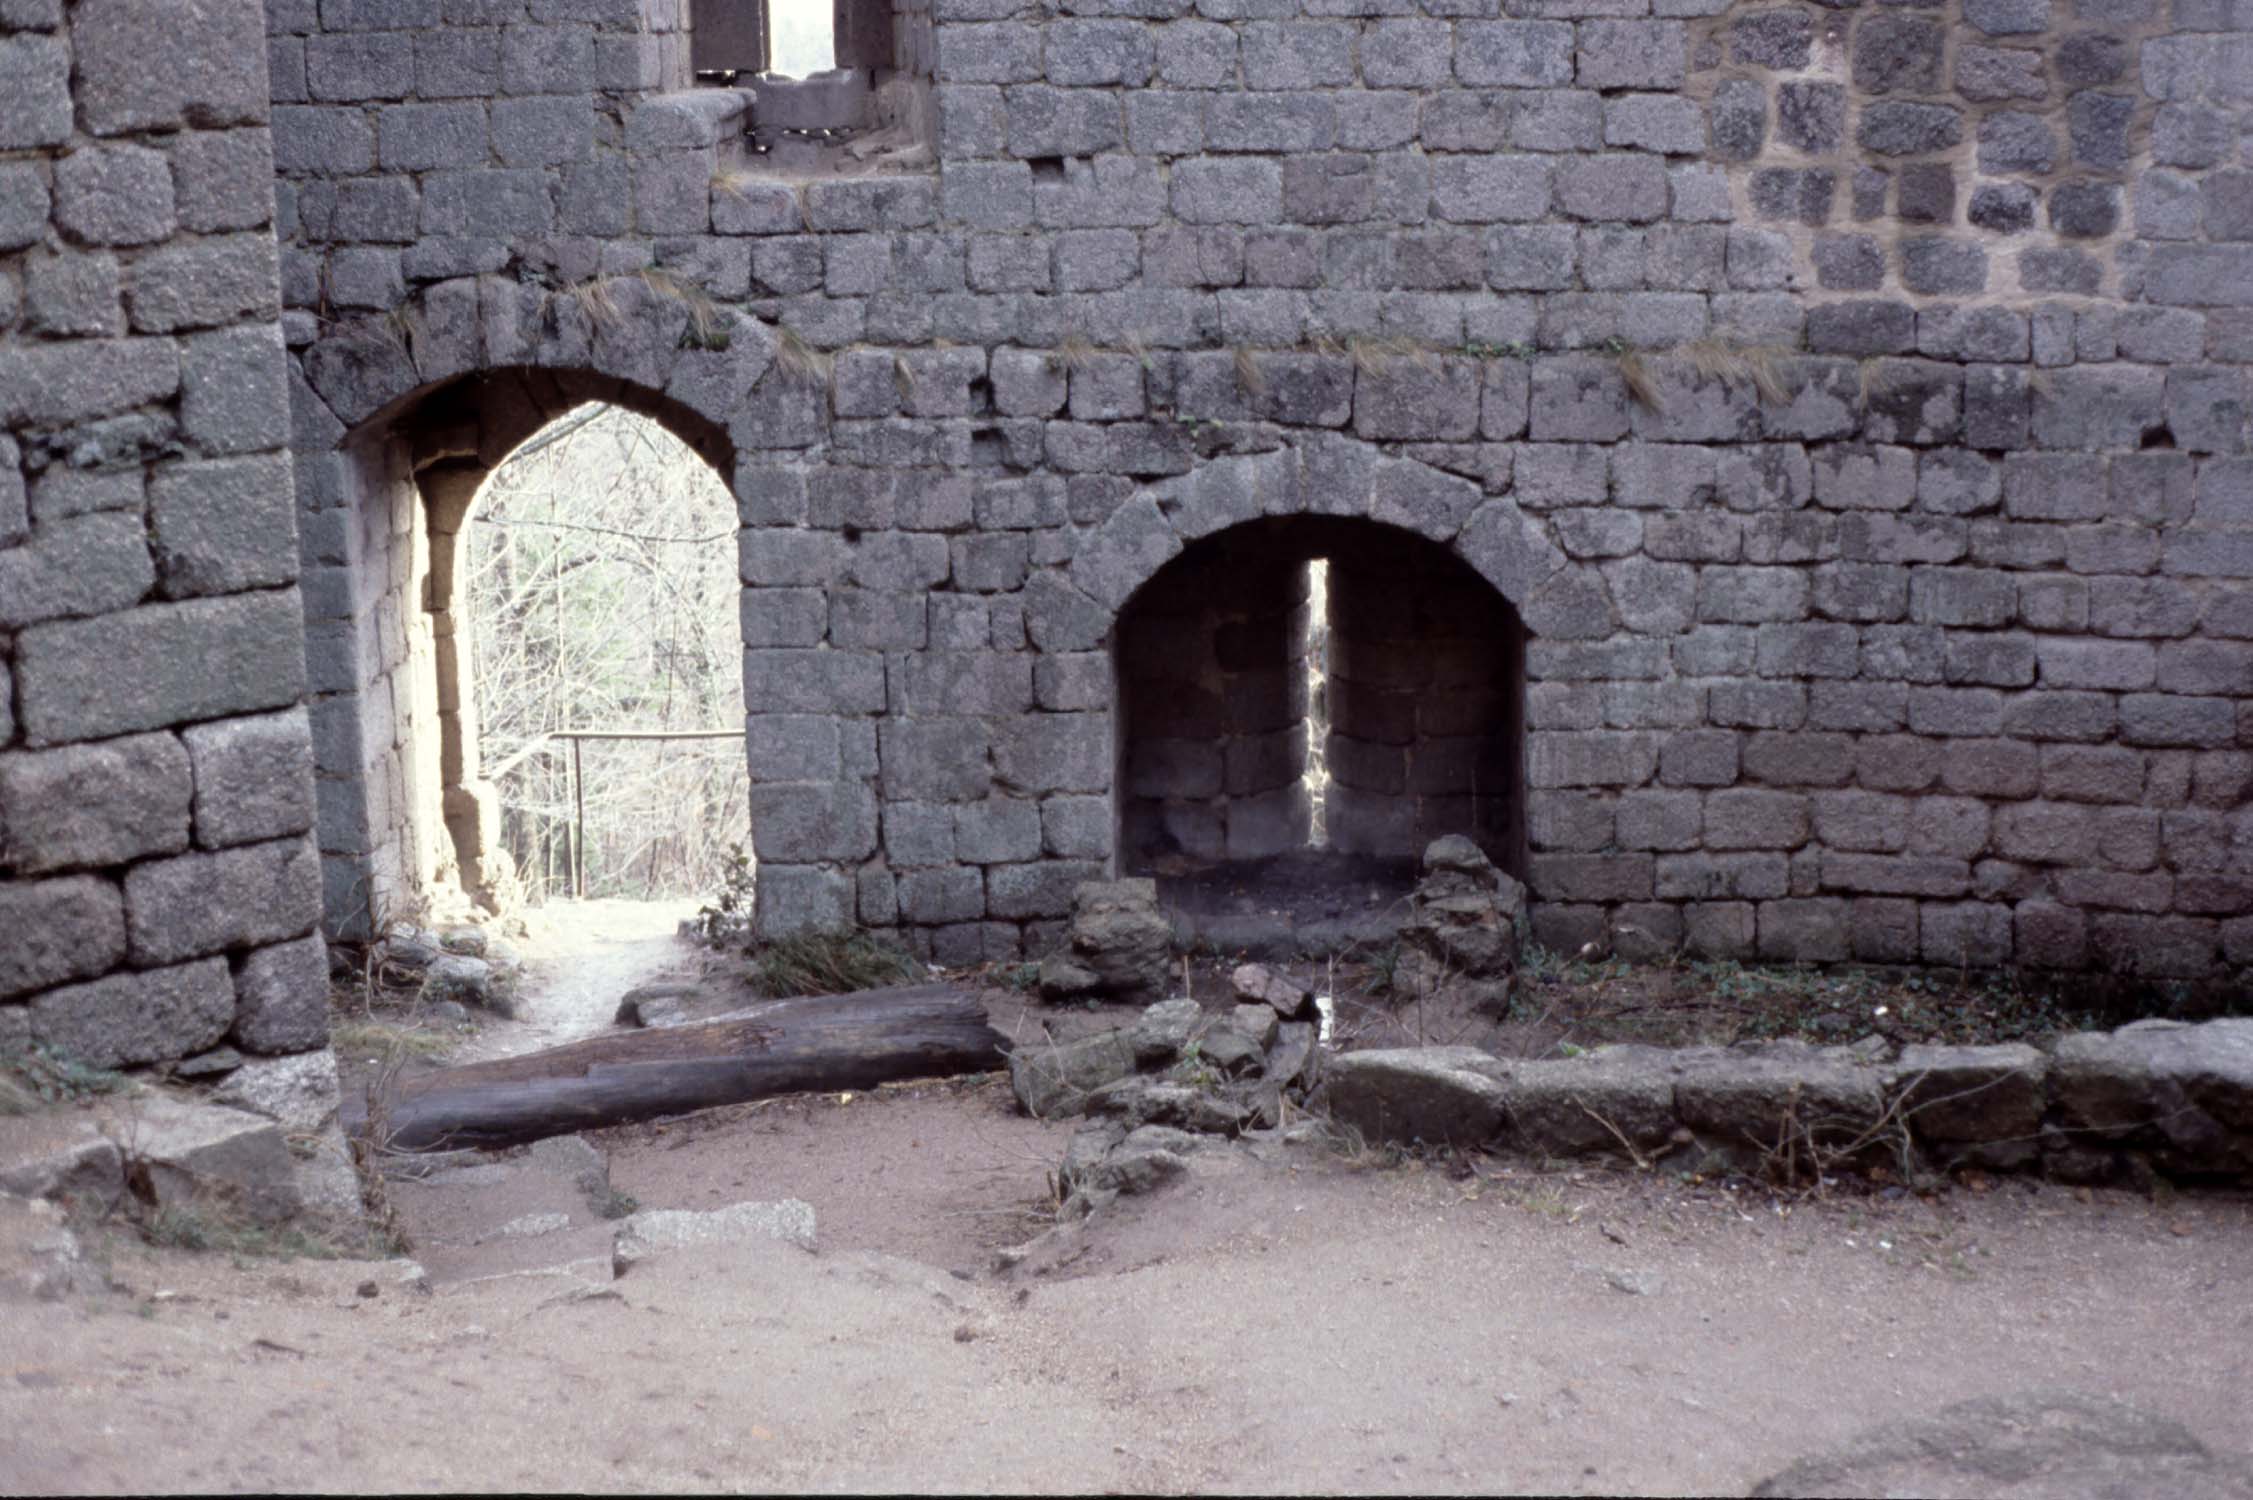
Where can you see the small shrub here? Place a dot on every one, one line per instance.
(726, 918)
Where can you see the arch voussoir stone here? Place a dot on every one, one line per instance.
(360, 371)
(715, 381)
(1509, 550)
(1417, 497)
(1120, 556)
(1227, 491)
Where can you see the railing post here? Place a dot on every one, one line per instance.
(578, 824)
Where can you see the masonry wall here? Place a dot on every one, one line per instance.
(1850, 403)
(158, 887)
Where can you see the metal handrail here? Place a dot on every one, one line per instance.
(578, 737)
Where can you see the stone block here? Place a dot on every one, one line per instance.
(195, 904)
(1631, 189)
(1625, 54)
(2016, 141)
(203, 284)
(207, 74)
(802, 822)
(1419, 399)
(349, 68)
(2191, 136)
(91, 805)
(1900, 128)
(253, 778)
(2085, 210)
(1054, 753)
(1513, 54)
(233, 396)
(2097, 126)
(1430, 1094)
(281, 998)
(63, 929)
(1989, 1094)
(1737, 119)
(1780, 38)
(222, 526)
(1572, 1107)
(1897, 53)
(1861, 328)
(1989, 75)
(78, 565)
(1410, 54)
(1031, 891)
(35, 85)
(2183, 1088)
(1803, 931)
(1743, 1098)
(152, 1016)
(115, 195)
(950, 894)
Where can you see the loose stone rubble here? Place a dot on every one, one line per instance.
(1175, 1075)
(1464, 926)
(1119, 945)
(459, 966)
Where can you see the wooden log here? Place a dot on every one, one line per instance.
(807, 1043)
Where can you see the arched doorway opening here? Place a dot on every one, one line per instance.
(412, 825)
(587, 586)
(1306, 702)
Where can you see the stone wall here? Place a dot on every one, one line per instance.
(1868, 477)
(158, 888)
(1847, 403)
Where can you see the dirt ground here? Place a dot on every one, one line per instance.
(1290, 1324)
(1282, 1318)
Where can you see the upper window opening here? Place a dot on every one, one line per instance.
(739, 40)
(805, 38)
(837, 85)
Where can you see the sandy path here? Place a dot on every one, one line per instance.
(579, 958)
(1290, 1325)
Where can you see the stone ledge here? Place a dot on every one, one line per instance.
(2165, 1096)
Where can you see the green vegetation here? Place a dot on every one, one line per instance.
(375, 1039)
(835, 962)
(40, 1076)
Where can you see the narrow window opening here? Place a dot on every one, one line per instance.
(1317, 666)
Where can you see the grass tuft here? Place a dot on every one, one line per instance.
(1640, 383)
(1249, 375)
(706, 330)
(1755, 364)
(833, 962)
(1075, 351)
(799, 360)
(376, 1039)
